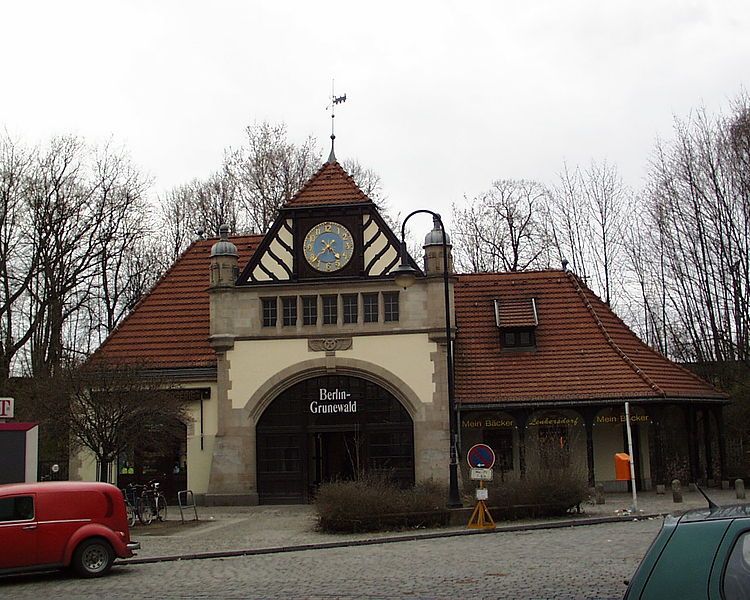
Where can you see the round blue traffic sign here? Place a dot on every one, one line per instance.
(481, 456)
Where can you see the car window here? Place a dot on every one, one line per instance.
(17, 508)
(737, 573)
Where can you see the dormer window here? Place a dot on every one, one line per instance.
(517, 320)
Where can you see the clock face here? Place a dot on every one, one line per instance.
(328, 247)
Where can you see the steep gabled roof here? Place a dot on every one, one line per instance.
(331, 185)
(169, 327)
(583, 350)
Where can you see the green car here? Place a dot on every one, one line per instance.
(703, 554)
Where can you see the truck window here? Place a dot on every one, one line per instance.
(737, 573)
(17, 508)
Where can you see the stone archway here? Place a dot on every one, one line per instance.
(327, 427)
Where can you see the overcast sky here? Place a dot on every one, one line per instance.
(442, 97)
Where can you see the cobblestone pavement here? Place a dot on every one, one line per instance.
(576, 563)
(573, 562)
(239, 528)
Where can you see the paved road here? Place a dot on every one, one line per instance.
(572, 563)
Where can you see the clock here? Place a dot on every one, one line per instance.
(328, 247)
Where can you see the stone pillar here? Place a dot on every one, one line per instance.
(588, 420)
(521, 418)
(692, 442)
(658, 468)
(719, 415)
(707, 443)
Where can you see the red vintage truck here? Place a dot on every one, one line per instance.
(63, 524)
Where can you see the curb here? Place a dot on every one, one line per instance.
(387, 540)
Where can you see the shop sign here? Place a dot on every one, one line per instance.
(557, 420)
(620, 419)
(6, 408)
(333, 401)
(488, 423)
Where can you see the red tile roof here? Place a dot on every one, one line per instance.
(169, 327)
(331, 185)
(583, 350)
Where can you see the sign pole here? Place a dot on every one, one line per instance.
(630, 455)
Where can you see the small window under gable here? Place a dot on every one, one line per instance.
(517, 320)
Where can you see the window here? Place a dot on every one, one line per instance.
(289, 307)
(309, 310)
(554, 446)
(370, 306)
(350, 308)
(501, 441)
(330, 310)
(269, 312)
(738, 569)
(518, 339)
(390, 306)
(17, 508)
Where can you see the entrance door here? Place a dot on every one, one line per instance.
(336, 456)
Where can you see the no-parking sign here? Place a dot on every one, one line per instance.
(481, 456)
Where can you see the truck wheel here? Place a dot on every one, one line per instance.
(93, 558)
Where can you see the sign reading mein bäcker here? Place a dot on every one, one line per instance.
(333, 401)
(6, 408)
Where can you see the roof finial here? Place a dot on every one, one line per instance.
(334, 101)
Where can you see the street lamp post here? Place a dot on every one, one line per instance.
(406, 275)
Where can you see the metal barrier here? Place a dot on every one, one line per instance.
(185, 500)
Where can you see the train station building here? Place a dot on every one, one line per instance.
(304, 362)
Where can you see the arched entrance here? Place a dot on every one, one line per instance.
(331, 427)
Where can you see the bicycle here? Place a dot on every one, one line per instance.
(156, 500)
(136, 497)
(129, 510)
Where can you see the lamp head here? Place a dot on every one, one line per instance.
(405, 275)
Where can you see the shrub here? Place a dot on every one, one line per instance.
(374, 502)
(539, 494)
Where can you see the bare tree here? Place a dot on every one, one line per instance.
(268, 171)
(502, 229)
(587, 211)
(115, 408)
(18, 261)
(698, 211)
(118, 196)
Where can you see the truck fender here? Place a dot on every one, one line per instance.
(89, 531)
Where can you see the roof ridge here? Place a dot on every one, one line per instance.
(312, 180)
(629, 361)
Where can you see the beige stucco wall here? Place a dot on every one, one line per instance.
(407, 357)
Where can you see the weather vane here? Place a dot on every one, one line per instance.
(334, 101)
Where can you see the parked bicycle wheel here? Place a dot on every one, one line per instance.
(161, 507)
(145, 511)
(130, 511)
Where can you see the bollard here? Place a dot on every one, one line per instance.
(724, 484)
(692, 487)
(660, 489)
(599, 493)
(676, 490)
(739, 488)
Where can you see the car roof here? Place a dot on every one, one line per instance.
(53, 486)
(734, 511)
